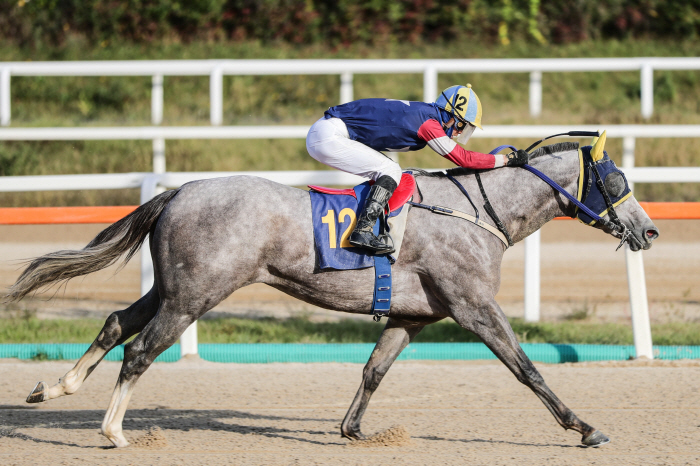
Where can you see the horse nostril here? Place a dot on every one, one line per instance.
(652, 235)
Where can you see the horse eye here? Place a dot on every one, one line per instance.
(615, 184)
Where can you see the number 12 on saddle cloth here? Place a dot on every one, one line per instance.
(334, 217)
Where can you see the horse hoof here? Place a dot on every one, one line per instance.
(596, 439)
(354, 435)
(39, 394)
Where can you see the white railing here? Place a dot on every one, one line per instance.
(217, 69)
(629, 133)
(150, 183)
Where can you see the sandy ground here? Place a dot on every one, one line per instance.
(580, 271)
(196, 412)
(476, 413)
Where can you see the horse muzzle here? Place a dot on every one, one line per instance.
(643, 238)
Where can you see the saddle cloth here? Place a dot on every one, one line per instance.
(334, 215)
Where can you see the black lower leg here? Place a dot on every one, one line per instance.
(362, 236)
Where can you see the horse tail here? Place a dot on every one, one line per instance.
(125, 236)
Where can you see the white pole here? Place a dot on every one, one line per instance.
(430, 84)
(216, 95)
(188, 340)
(148, 192)
(647, 91)
(158, 156)
(4, 96)
(535, 93)
(636, 279)
(346, 88)
(628, 143)
(532, 277)
(641, 327)
(157, 99)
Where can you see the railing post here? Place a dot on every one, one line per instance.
(532, 277)
(188, 340)
(647, 90)
(346, 88)
(216, 95)
(636, 284)
(148, 192)
(430, 84)
(628, 143)
(636, 279)
(4, 96)
(535, 93)
(157, 99)
(159, 155)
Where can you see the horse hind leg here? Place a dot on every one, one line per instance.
(158, 335)
(118, 327)
(394, 338)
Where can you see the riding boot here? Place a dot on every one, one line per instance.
(375, 204)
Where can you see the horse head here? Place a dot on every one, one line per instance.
(604, 190)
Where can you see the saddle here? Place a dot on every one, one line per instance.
(405, 190)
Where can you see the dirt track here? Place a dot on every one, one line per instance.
(455, 413)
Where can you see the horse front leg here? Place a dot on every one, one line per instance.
(118, 327)
(395, 337)
(492, 326)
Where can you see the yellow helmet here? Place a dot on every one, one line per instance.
(462, 103)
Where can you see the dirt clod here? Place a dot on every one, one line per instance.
(396, 436)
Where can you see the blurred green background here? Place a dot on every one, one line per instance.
(167, 29)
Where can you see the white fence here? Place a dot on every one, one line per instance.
(217, 69)
(346, 69)
(150, 182)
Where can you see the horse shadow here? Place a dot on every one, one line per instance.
(186, 420)
(165, 418)
(499, 442)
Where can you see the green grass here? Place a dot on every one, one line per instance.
(569, 98)
(29, 329)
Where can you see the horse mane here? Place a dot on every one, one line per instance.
(545, 150)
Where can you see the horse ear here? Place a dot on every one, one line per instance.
(598, 147)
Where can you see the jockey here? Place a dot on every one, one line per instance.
(349, 137)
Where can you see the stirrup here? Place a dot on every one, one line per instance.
(367, 240)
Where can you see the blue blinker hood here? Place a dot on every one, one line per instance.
(589, 193)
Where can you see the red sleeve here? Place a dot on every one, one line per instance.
(431, 132)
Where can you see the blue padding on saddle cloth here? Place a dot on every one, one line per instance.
(338, 212)
(381, 302)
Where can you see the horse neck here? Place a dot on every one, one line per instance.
(522, 201)
(536, 203)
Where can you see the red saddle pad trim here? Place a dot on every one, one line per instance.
(403, 192)
(321, 189)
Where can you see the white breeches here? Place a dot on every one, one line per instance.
(328, 142)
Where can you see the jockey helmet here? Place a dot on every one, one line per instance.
(462, 103)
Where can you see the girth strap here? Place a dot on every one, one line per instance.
(381, 303)
(470, 218)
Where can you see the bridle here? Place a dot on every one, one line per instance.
(615, 225)
(588, 165)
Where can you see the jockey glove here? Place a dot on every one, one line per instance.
(517, 158)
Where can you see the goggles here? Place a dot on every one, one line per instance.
(467, 129)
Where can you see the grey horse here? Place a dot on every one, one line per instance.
(212, 237)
